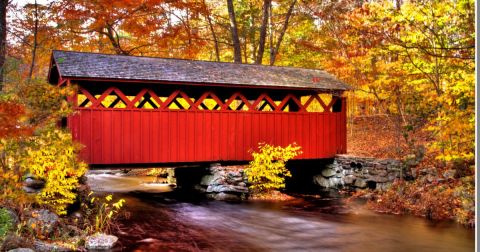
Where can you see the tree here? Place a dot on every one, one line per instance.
(415, 59)
(267, 170)
(35, 40)
(3, 39)
(263, 31)
(212, 30)
(34, 35)
(274, 49)
(237, 52)
(153, 27)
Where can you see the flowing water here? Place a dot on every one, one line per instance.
(162, 219)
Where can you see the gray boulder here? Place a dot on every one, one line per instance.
(41, 246)
(360, 183)
(349, 179)
(34, 183)
(322, 181)
(227, 189)
(449, 174)
(207, 180)
(21, 250)
(328, 172)
(327, 182)
(100, 241)
(379, 179)
(43, 222)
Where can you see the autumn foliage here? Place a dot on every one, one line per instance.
(52, 157)
(411, 64)
(31, 143)
(267, 171)
(437, 201)
(12, 116)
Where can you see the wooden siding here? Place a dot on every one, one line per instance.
(140, 136)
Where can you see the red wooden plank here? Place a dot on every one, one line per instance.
(122, 138)
(331, 134)
(321, 131)
(165, 145)
(190, 143)
(216, 136)
(146, 137)
(105, 135)
(137, 128)
(208, 136)
(240, 135)
(313, 134)
(231, 134)
(174, 137)
(279, 133)
(222, 140)
(300, 126)
(96, 120)
(128, 135)
(116, 136)
(292, 132)
(262, 129)
(155, 137)
(82, 135)
(182, 136)
(344, 123)
(246, 136)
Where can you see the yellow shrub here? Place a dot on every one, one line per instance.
(53, 158)
(267, 169)
(105, 212)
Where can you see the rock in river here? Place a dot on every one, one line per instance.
(100, 241)
(22, 250)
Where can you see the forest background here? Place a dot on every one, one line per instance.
(411, 63)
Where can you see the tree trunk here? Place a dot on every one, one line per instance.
(214, 35)
(398, 4)
(114, 40)
(35, 43)
(233, 28)
(263, 31)
(3, 39)
(274, 52)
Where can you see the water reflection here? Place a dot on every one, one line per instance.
(171, 221)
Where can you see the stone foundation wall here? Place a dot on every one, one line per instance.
(359, 173)
(224, 182)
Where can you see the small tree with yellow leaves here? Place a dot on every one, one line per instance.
(53, 158)
(267, 170)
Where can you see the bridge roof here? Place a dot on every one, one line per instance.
(96, 66)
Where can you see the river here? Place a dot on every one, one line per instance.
(162, 219)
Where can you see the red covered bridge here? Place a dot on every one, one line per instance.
(144, 110)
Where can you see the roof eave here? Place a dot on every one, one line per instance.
(228, 85)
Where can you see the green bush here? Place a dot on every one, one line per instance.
(6, 222)
(267, 170)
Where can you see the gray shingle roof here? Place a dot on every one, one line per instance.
(106, 66)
